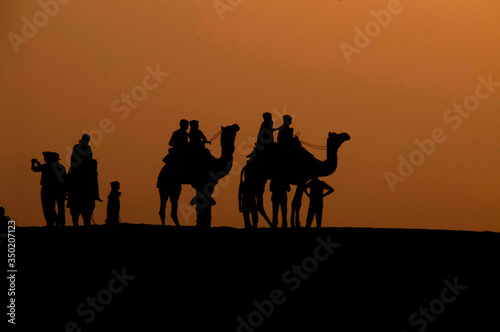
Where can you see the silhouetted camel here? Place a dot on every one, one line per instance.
(294, 164)
(198, 167)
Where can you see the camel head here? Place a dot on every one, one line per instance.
(229, 133)
(336, 140)
(227, 139)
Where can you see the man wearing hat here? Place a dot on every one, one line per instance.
(53, 190)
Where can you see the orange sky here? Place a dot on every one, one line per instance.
(263, 56)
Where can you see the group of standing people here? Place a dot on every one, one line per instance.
(79, 186)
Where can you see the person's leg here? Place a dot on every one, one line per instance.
(61, 215)
(246, 219)
(48, 207)
(276, 207)
(87, 212)
(310, 215)
(296, 204)
(74, 210)
(75, 214)
(209, 217)
(319, 216)
(284, 211)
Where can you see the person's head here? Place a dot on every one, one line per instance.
(2, 211)
(50, 156)
(184, 124)
(55, 156)
(267, 116)
(287, 119)
(194, 124)
(46, 156)
(115, 185)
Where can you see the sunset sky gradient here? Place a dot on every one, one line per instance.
(264, 56)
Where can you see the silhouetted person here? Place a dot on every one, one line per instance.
(279, 189)
(3, 218)
(82, 152)
(316, 194)
(247, 202)
(113, 208)
(82, 183)
(266, 136)
(53, 188)
(203, 205)
(179, 139)
(82, 159)
(169, 188)
(196, 137)
(285, 133)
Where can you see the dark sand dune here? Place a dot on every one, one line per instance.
(184, 279)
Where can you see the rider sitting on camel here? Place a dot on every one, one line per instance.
(179, 139)
(197, 139)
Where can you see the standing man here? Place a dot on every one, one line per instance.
(203, 204)
(316, 195)
(279, 188)
(247, 203)
(82, 160)
(53, 188)
(82, 152)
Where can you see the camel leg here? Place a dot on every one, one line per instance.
(255, 217)
(260, 208)
(296, 204)
(173, 213)
(276, 207)
(163, 207)
(75, 215)
(284, 203)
